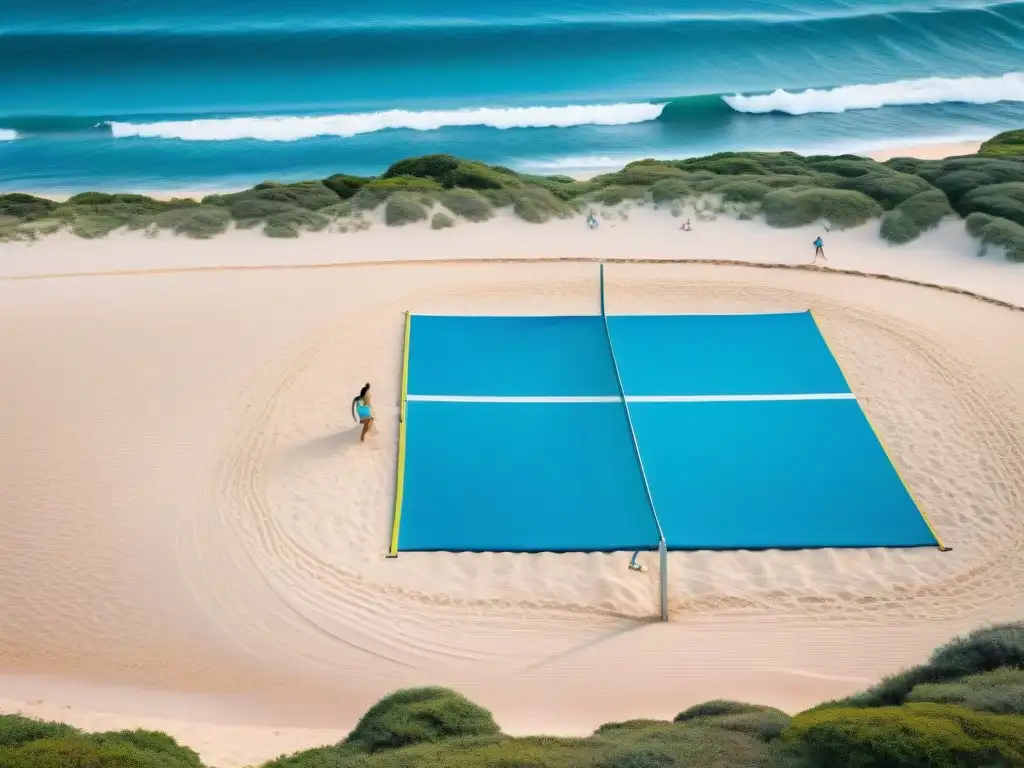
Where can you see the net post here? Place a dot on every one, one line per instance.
(601, 265)
(663, 577)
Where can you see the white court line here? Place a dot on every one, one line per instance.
(629, 398)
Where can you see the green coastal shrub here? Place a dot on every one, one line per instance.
(911, 736)
(756, 720)
(743, 191)
(1006, 144)
(617, 729)
(538, 205)
(342, 210)
(644, 173)
(975, 223)
(641, 756)
(290, 222)
(1000, 691)
(151, 742)
(119, 205)
(16, 730)
(417, 715)
(344, 185)
(311, 195)
(958, 177)
(91, 227)
(995, 232)
(202, 222)
(467, 204)
(26, 743)
(670, 190)
(888, 187)
(377, 191)
(401, 210)
(726, 164)
(915, 216)
(983, 650)
(470, 175)
(441, 221)
(257, 208)
(617, 193)
(716, 707)
(1003, 200)
(764, 725)
(840, 208)
(325, 757)
(25, 207)
(41, 227)
(844, 166)
(434, 167)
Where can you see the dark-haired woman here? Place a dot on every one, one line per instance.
(362, 411)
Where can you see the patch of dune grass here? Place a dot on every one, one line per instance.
(842, 209)
(790, 190)
(1006, 144)
(996, 232)
(999, 690)
(467, 204)
(915, 216)
(403, 209)
(441, 221)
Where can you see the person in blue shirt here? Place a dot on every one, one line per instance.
(819, 248)
(362, 410)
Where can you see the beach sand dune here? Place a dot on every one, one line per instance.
(194, 538)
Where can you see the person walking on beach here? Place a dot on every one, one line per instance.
(819, 248)
(362, 410)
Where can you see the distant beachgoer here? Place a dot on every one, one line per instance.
(819, 248)
(686, 226)
(363, 411)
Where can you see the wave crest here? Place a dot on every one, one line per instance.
(346, 125)
(931, 90)
(8, 135)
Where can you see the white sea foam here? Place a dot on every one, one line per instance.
(935, 90)
(6, 134)
(931, 90)
(346, 125)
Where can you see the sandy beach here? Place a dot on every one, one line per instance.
(194, 537)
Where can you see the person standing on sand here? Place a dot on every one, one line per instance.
(362, 410)
(819, 248)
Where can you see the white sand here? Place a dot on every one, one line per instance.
(193, 537)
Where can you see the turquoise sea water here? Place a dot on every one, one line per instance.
(132, 94)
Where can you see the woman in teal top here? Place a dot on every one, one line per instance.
(362, 411)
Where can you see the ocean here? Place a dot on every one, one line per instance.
(194, 94)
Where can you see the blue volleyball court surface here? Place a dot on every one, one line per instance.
(598, 433)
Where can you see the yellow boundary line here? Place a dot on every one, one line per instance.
(400, 475)
(881, 442)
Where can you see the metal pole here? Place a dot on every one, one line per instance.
(602, 287)
(663, 574)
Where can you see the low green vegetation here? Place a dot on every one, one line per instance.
(26, 743)
(915, 216)
(906, 196)
(963, 708)
(1008, 143)
(932, 735)
(441, 221)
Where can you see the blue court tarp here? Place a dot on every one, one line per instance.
(518, 440)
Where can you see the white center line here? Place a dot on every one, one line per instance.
(629, 398)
